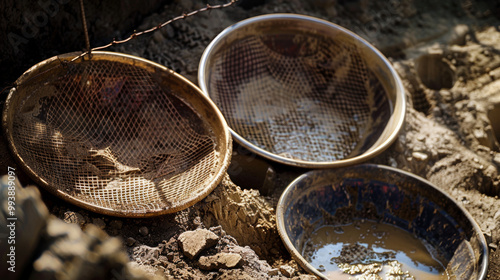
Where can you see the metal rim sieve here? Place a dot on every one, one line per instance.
(116, 134)
(303, 91)
(384, 194)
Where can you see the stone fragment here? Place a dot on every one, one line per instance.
(144, 231)
(146, 253)
(221, 260)
(419, 156)
(287, 271)
(130, 241)
(273, 272)
(71, 217)
(193, 242)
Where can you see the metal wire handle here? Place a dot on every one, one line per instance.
(136, 34)
(85, 29)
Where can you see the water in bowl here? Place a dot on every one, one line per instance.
(367, 249)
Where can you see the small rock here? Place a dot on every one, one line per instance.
(287, 270)
(130, 242)
(419, 156)
(98, 222)
(144, 231)
(218, 230)
(273, 272)
(193, 242)
(221, 260)
(71, 217)
(146, 253)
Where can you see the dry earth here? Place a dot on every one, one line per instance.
(448, 56)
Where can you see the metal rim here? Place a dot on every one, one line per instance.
(391, 131)
(209, 107)
(280, 211)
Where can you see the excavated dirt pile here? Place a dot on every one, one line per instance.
(448, 56)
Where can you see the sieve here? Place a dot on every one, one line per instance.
(336, 197)
(303, 91)
(116, 134)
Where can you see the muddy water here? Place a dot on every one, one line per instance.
(367, 248)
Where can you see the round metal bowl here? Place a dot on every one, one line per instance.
(303, 91)
(386, 195)
(116, 134)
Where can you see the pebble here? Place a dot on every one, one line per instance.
(130, 242)
(287, 270)
(144, 231)
(273, 272)
(71, 217)
(193, 242)
(220, 261)
(419, 156)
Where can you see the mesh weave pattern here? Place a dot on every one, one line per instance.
(108, 134)
(299, 96)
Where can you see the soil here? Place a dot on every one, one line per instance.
(448, 56)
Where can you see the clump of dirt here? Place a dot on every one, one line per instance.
(45, 247)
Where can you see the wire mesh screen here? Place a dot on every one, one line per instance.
(113, 136)
(295, 92)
